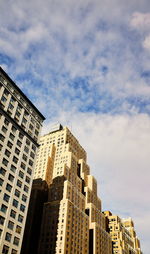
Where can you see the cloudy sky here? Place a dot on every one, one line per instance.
(86, 64)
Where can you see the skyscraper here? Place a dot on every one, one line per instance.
(123, 235)
(20, 124)
(72, 221)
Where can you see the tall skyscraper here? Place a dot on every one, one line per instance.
(123, 235)
(72, 221)
(20, 124)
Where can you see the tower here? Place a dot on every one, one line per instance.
(72, 221)
(20, 124)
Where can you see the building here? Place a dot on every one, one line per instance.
(20, 124)
(72, 221)
(123, 235)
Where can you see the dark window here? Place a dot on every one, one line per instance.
(23, 165)
(1, 181)
(2, 171)
(26, 149)
(6, 122)
(17, 193)
(13, 168)
(20, 218)
(15, 203)
(7, 153)
(19, 183)
(22, 208)
(5, 249)
(2, 219)
(27, 142)
(8, 187)
(13, 214)
(34, 148)
(17, 151)
(4, 129)
(14, 251)
(32, 155)
(24, 198)
(21, 174)
(10, 177)
(13, 128)
(26, 189)
(18, 229)
(6, 197)
(10, 225)
(27, 179)
(21, 135)
(29, 171)
(15, 159)
(9, 144)
(12, 137)
(5, 162)
(19, 143)
(16, 241)
(8, 237)
(24, 157)
(4, 208)
(2, 137)
(30, 163)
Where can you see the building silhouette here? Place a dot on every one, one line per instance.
(20, 124)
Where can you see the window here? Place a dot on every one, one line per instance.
(5, 249)
(1, 181)
(9, 144)
(21, 135)
(26, 189)
(10, 177)
(24, 198)
(12, 214)
(17, 193)
(2, 171)
(6, 122)
(10, 225)
(12, 137)
(20, 218)
(32, 155)
(30, 163)
(27, 142)
(27, 179)
(26, 149)
(34, 148)
(5, 162)
(7, 153)
(18, 229)
(23, 165)
(13, 168)
(1, 147)
(22, 208)
(2, 219)
(13, 129)
(15, 159)
(8, 187)
(24, 157)
(19, 143)
(4, 129)
(16, 241)
(29, 171)
(6, 197)
(21, 174)
(17, 151)
(4, 208)
(2, 137)
(14, 251)
(15, 203)
(19, 183)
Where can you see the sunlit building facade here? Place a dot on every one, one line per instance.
(123, 235)
(20, 124)
(72, 221)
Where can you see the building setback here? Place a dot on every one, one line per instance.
(72, 221)
(123, 234)
(20, 124)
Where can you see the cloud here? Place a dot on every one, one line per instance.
(146, 43)
(140, 20)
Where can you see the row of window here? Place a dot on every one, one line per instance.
(15, 204)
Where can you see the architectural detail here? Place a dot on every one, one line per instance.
(123, 235)
(72, 221)
(20, 124)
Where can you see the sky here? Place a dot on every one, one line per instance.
(86, 64)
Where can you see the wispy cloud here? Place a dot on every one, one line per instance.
(86, 64)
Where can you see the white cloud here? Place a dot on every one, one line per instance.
(146, 42)
(140, 20)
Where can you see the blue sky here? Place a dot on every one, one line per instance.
(86, 64)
